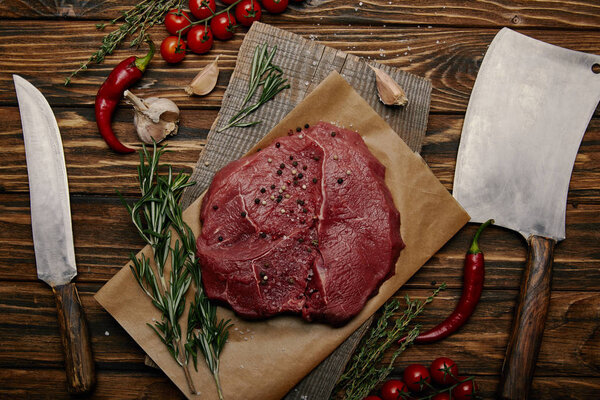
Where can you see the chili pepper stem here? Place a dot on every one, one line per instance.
(143, 62)
(474, 249)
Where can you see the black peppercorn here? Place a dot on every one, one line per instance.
(279, 172)
(332, 134)
(263, 235)
(215, 207)
(304, 167)
(315, 180)
(306, 126)
(262, 190)
(291, 157)
(340, 181)
(282, 165)
(298, 129)
(220, 238)
(243, 214)
(295, 163)
(272, 186)
(256, 201)
(277, 144)
(300, 175)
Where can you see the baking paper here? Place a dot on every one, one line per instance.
(264, 359)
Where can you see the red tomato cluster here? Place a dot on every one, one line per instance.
(197, 35)
(441, 380)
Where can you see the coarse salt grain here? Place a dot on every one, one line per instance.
(304, 187)
(269, 160)
(264, 202)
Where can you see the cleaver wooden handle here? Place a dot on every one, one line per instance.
(75, 339)
(528, 323)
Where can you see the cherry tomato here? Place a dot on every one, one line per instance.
(372, 398)
(415, 376)
(202, 9)
(441, 396)
(391, 390)
(443, 371)
(228, 2)
(464, 390)
(275, 6)
(223, 26)
(248, 11)
(200, 39)
(172, 49)
(177, 19)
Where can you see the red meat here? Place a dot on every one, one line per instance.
(317, 238)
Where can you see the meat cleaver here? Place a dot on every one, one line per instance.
(530, 106)
(52, 232)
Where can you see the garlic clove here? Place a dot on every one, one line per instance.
(390, 92)
(205, 81)
(154, 118)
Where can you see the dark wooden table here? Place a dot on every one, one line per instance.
(442, 40)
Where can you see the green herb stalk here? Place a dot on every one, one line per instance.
(362, 374)
(156, 215)
(262, 73)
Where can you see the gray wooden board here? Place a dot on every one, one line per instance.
(305, 63)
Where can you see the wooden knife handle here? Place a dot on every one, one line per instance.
(528, 323)
(75, 339)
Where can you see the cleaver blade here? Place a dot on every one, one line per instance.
(528, 111)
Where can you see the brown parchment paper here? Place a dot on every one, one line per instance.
(264, 359)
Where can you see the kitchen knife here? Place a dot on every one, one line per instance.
(530, 106)
(51, 228)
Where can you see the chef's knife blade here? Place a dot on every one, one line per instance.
(48, 187)
(51, 228)
(530, 106)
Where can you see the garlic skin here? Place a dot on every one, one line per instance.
(390, 92)
(154, 118)
(205, 81)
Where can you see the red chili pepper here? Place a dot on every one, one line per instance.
(472, 286)
(123, 76)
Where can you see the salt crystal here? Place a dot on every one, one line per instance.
(106, 333)
(206, 163)
(306, 83)
(360, 3)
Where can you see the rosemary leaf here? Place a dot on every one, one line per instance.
(262, 73)
(154, 215)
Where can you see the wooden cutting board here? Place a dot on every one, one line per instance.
(305, 63)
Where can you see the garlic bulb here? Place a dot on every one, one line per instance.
(390, 92)
(205, 81)
(154, 118)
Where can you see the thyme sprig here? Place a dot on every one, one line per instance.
(362, 373)
(156, 215)
(262, 73)
(135, 22)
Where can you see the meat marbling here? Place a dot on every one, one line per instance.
(317, 238)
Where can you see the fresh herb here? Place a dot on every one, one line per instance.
(136, 22)
(362, 374)
(156, 215)
(262, 73)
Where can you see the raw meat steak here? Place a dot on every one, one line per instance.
(305, 225)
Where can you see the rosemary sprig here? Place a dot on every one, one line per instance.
(154, 215)
(362, 374)
(262, 73)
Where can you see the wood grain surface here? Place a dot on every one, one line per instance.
(441, 40)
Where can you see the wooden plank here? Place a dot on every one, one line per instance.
(104, 238)
(152, 385)
(567, 14)
(29, 335)
(94, 169)
(449, 57)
